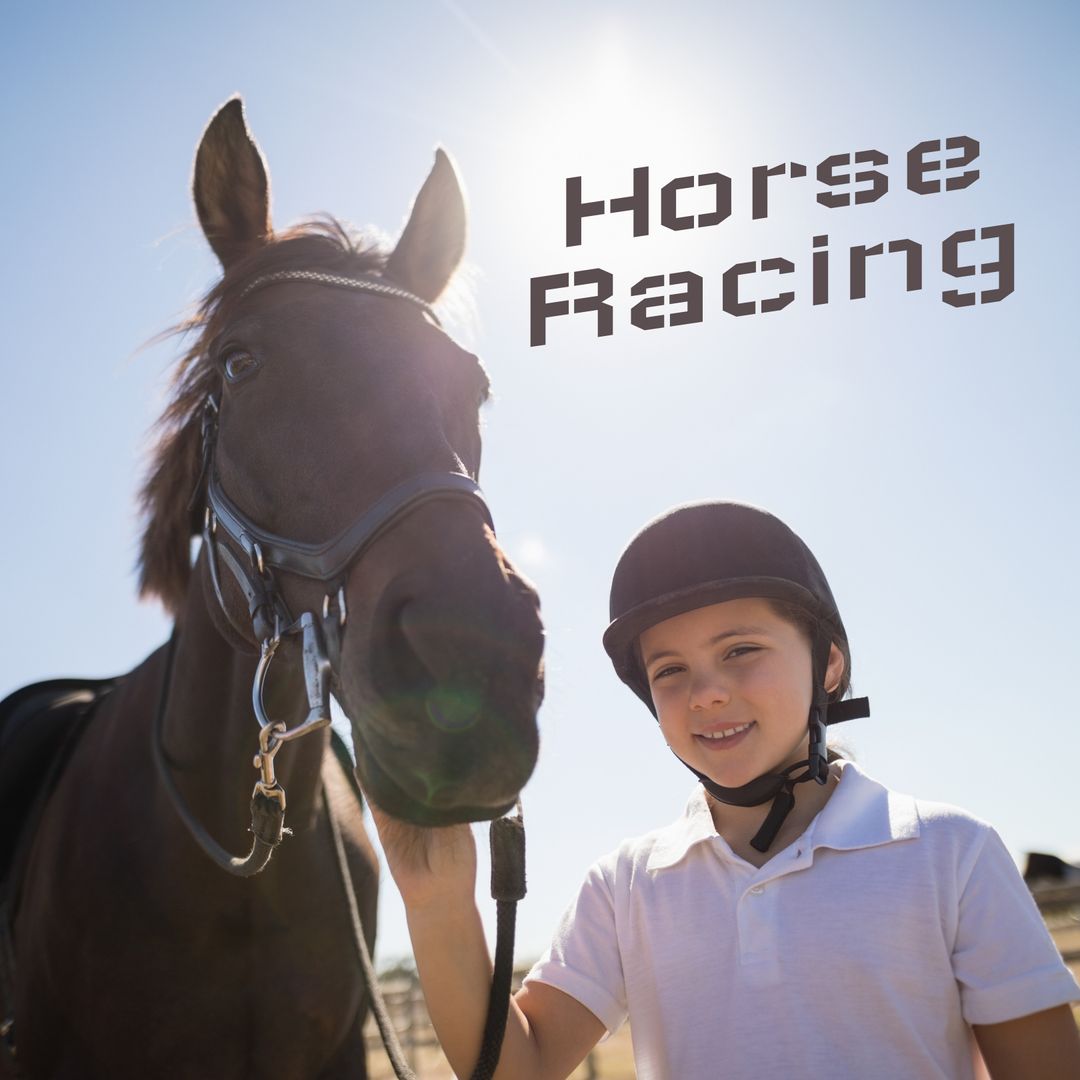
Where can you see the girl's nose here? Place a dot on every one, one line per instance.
(708, 689)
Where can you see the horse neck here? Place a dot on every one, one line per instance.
(211, 735)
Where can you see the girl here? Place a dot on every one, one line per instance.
(846, 931)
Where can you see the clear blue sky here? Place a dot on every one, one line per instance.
(927, 454)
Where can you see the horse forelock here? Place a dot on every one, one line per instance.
(324, 244)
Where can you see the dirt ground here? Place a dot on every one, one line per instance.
(612, 1060)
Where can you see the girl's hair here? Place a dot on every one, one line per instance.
(810, 625)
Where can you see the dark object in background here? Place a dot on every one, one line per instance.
(1049, 869)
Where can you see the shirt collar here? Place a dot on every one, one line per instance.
(673, 842)
(861, 813)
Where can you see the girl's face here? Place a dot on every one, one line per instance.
(731, 684)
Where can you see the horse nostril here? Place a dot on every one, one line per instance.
(440, 642)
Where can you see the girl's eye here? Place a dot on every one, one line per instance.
(238, 363)
(741, 650)
(672, 669)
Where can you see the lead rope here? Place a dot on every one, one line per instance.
(367, 969)
(507, 837)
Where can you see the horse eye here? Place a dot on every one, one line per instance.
(239, 363)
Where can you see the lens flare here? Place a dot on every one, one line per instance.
(454, 708)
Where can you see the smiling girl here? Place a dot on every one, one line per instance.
(844, 931)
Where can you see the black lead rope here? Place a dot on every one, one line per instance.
(507, 837)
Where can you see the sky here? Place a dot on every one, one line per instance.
(926, 453)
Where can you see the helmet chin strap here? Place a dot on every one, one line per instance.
(779, 784)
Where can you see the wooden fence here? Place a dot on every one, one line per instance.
(613, 1060)
(1060, 908)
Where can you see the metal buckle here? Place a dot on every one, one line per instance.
(269, 744)
(254, 553)
(343, 613)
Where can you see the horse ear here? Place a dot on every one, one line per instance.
(232, 194)
(431, 246)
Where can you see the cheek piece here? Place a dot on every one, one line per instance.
(779, 785)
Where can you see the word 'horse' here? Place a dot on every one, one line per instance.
(323, 436)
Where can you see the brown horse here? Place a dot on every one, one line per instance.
(135, 955)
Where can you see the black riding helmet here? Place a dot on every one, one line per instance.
(706, 553)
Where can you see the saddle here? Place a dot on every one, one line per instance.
(40, 726)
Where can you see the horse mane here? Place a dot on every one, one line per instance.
(170, 507)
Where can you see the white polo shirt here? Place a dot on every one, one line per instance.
(865, 949)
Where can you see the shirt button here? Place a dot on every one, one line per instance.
(757, 890)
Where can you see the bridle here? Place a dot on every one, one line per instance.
(258, 555)
(329, 564)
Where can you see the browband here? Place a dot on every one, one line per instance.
(380, 288)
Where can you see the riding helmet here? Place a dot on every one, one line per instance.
(705, 553)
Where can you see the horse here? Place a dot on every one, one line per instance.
(322, 437)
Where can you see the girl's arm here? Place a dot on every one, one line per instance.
(1045, 1044)
(548, 1033)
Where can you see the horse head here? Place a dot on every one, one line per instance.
(319, 389)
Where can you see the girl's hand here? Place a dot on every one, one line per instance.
(429, 865)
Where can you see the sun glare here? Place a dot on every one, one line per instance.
(593, 113)
(531, 551)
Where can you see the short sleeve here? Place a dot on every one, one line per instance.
(583, 959)
(1005, 962)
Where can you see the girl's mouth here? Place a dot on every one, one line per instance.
(726, 738)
